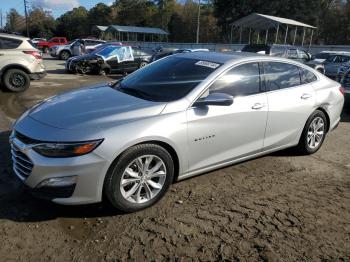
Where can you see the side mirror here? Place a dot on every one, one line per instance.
(214, 99)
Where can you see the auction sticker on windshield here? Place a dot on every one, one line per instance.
(208, 64)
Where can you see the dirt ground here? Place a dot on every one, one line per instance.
(279, 207)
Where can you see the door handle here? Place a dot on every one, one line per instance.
(1, 54)
(258, 106)
(306, 96)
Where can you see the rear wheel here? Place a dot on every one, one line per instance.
(139, 178)
(313, 134)
(45, 49)
(64, 55)
(16, 80)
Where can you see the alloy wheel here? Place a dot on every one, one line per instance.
(143, 179)
(315, 133)
(17, 80)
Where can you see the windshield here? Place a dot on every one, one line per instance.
(107, 51)
(167, 80)
(330, 58)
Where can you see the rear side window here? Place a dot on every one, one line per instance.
(342, 59)
(241, 80)
(281, 75)
(307, 76)
(8, 43)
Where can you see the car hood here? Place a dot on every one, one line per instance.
(93, 107)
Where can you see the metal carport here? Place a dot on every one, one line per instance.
(260, 22)
(133, 32)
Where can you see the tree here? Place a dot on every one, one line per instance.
(101, 14)
(41, 23)
(74, 24)
(15, 22)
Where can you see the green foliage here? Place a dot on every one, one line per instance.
(179, 18)
(14, 21)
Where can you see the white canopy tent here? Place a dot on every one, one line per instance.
(265, 23)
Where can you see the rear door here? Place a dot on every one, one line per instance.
(219, 134)
(291, 102)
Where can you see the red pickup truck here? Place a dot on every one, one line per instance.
(45, 45)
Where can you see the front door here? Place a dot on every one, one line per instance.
(218, 134)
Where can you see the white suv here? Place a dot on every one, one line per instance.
(20, 62)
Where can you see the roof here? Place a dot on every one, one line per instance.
(101, 27)
(13, 36)
(137, 29)
(263, 22)
(217, 57)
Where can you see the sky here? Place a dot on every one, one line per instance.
(57, 7)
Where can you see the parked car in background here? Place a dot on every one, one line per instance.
(20, 62)
(63, 52)
(110, 59)
(343, 77)
(333, 63)
(322, 56)
(166, 52)
(178, 117)
(35, 41)
(285, 51)
(45, 45)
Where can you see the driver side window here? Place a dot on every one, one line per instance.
(242, 80)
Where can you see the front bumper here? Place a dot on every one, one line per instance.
(32, 169)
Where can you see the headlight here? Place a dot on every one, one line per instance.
(66, 149)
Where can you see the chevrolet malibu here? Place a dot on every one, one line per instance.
(181, 116)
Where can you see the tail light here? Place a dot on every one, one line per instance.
(36, 54)
(342, 90)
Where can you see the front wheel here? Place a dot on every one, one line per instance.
(64, 55)
(16, 80)
(140, 177)
(143, 64)
(313, 134)
(45, 50)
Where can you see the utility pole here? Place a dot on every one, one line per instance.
(198, 20)
(26, 15)
(1, 18)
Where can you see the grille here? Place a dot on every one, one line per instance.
(22, 165)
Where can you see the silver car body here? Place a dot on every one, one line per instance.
(202, 140)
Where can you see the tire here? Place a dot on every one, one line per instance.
(117, 194)
(45, 49)
(16, 80)
(102, 72)
(143, 64)
(309, 135)
(64, 55)
(320, 70)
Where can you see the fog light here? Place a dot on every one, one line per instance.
(58, 182)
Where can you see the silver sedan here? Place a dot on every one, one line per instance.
(178, 117)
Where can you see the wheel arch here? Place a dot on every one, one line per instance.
(14, 66)
(327, 116)
(65, 50)
(170, 149)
